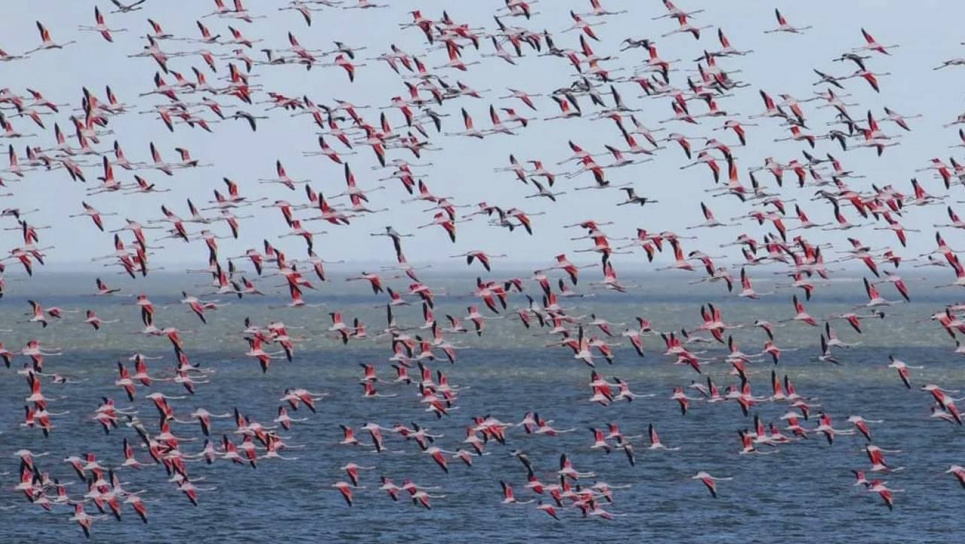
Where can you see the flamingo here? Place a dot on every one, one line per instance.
(101, 26)
(127, 8)
(46, 42)
(709, 481)
(958, 472)
(784, 26)
(872, 45)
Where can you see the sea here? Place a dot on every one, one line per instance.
(804, 491)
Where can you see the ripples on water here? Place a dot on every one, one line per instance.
(803, 492)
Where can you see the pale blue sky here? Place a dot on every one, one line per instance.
(928, 31)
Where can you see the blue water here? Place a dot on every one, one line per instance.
(802, 492)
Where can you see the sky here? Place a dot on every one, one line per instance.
(928, 33)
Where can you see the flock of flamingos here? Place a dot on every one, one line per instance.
(207, 82)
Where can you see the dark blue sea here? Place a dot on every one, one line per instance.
(804, 491)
